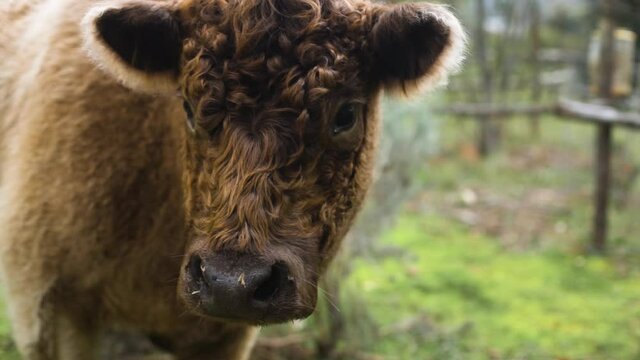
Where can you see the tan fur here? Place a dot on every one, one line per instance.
(104, 193)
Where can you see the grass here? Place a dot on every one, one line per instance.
(488, 303)
(7, 349)
(561, 160)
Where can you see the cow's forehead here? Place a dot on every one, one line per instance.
(306, 30)
(270, 59)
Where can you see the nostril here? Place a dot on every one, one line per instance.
(270, 286)
(195, 269)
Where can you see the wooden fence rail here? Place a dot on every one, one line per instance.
(567, 109)
(495, 111)
(597, 113)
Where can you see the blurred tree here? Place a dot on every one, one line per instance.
(534, 53)
(625, 12)
(489, 132)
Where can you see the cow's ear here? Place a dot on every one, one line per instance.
(139, 43)
(416, 45)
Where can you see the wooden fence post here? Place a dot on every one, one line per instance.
(603, 177)
(604, 133)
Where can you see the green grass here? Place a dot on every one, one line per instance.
(488, 303)
(7, 349)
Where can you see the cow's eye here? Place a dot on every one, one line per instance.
(345, 119)
(191, 122)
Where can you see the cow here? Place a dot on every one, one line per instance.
(188, 168)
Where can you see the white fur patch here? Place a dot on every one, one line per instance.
(106, 59)
(453, 55)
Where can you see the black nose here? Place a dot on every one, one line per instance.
(240, 286)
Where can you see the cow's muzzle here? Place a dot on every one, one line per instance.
(242, 287)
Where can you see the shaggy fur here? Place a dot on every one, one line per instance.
(108, 185)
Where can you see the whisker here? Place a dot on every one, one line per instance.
(326, 294)
(329, 299)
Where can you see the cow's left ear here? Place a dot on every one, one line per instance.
(416, 45)
(139, 42)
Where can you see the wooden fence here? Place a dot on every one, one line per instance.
(603, 116)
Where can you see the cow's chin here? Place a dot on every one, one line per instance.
(276, 313)
(229, 307)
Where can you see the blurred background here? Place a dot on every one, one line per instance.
(504, 222)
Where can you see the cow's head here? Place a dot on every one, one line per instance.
(281, 109)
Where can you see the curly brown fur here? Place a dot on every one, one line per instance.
(262, 92)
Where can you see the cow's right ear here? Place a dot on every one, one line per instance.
(137, 42)
(416, 45)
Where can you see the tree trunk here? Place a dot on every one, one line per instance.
(536, 87)
(489, 136)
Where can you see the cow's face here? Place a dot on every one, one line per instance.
(280, 103)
